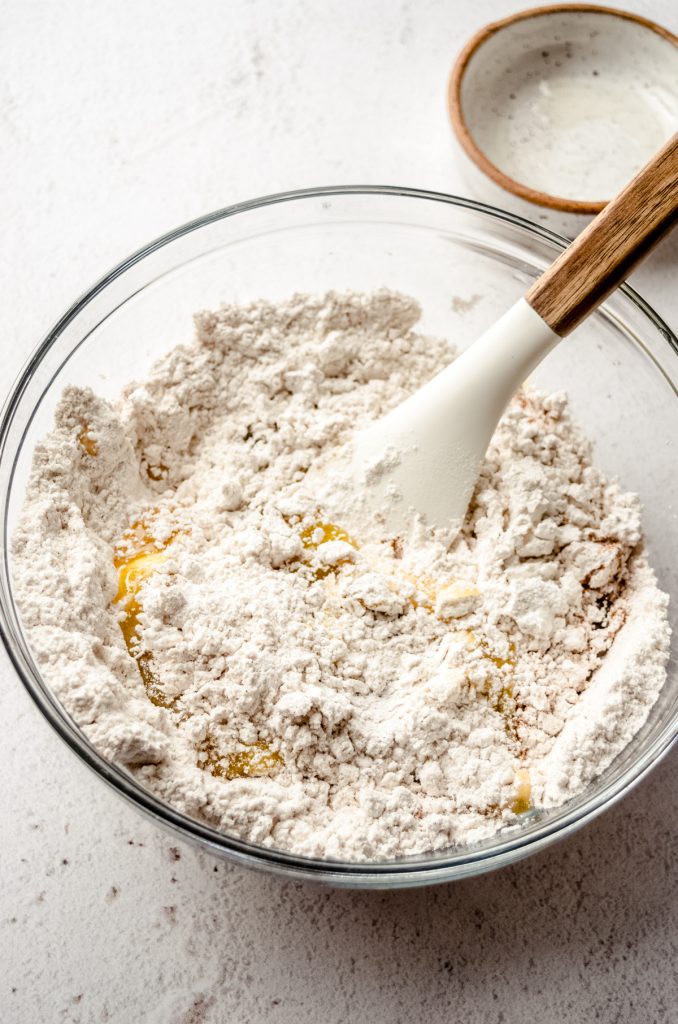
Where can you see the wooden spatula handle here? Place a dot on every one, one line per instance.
(608, 249)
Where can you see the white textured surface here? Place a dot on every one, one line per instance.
(119, 121)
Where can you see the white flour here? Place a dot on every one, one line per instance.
(313, 691)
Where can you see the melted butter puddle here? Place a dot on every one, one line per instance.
(256, 760)
(522, 801)
(134, 568)
(136, 559)
(319, 532)
(328, 531)
(315, 534)
(87, 442)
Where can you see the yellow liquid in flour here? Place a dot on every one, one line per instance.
(255, 760)
(328, 531)
(522, 801)
(87, 442)
(138, 557)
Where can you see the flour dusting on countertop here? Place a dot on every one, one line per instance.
(218, 631)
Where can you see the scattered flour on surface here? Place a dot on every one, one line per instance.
(299, 687)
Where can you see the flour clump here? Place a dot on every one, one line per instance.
(216, 628)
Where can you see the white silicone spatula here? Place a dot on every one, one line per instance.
(428, 450)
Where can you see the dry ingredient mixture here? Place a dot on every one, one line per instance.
(214, 628)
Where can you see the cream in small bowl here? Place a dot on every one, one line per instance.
(562, 105)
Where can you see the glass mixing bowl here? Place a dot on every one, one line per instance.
(465, 263)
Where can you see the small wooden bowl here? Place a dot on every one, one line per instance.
(562, 105)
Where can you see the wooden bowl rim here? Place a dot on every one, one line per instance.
(463, 132)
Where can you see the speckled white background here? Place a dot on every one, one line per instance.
(119, 121)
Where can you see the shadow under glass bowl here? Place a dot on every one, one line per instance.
(465, 263)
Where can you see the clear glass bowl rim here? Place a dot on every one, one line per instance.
(423, 869)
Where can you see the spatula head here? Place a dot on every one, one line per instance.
(423, 458)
